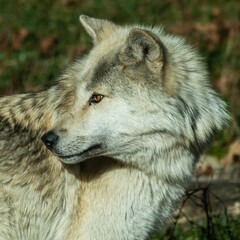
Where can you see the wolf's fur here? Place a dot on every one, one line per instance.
(157, 116)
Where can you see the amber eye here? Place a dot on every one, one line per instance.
(95, 98)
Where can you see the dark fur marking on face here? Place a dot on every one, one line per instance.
(184, 104)
(197, 147)
(5, 127)
(158, 131)
(12, 117)
(183, 108)
(100, 71)
(39, 117)
(194, 118)
(62, 130)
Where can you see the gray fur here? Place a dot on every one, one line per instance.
(119, 166)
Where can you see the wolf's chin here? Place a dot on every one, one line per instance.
(92, 151)
(71, 160)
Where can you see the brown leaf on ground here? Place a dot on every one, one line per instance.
(215, 32)
(181, 29)
(233, 156)
(78, 51)
(18, 38)
(68, 2)
(47, 44)
(30, 87)
(216, 12)
(222, 84)
(4, 43)
(228, 83)
(234, 27)
(210, 32)
(206, 170)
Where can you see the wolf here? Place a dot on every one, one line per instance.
(109, 149)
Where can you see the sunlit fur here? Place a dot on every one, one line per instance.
(157, 116)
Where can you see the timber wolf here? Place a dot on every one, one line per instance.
(125, 126)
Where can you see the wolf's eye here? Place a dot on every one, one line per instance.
(96, 98)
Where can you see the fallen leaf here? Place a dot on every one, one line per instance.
(210, 32)
(228, 83)
(78, 51)
(69, 2)
(216, 12)
(47, 44)
(18, 38)
(206, 170)
(233, 156)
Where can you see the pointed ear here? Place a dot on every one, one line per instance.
(98, 29)
(142, 46)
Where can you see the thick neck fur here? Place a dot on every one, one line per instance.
(68, 194)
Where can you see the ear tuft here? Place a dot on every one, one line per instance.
(142, 46)
(86, 22)
(98, 29)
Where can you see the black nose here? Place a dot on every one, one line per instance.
(50, 139)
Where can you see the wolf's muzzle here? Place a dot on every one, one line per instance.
(50, 139)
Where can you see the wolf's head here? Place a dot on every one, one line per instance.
(139, 90)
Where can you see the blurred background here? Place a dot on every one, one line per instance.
(38, 38)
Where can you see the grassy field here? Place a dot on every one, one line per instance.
(196, 232)
(39, 38)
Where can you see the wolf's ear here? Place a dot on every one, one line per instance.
(98, 29)
(142, 45)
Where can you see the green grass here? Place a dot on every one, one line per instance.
(59, 20)
(197, 232)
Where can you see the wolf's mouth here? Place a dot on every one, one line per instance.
(88, 150)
